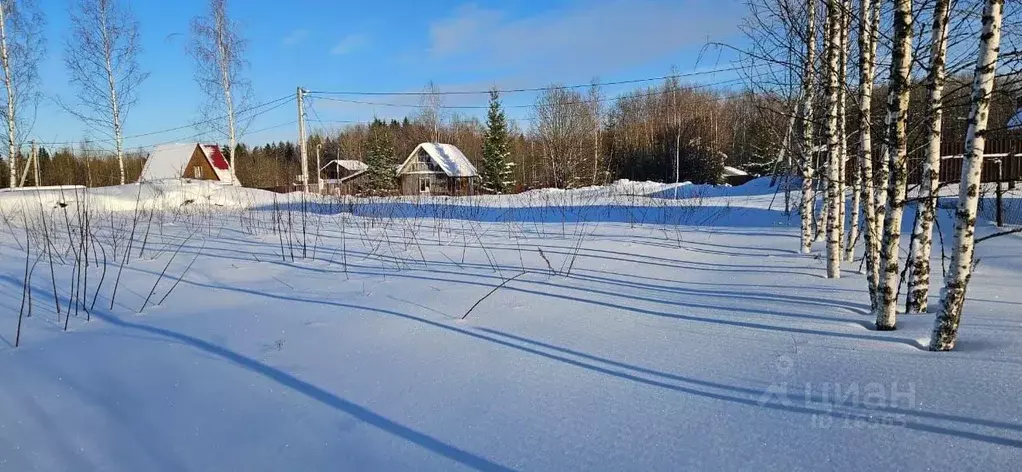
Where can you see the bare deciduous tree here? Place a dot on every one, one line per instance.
(808, 203)
(841, 35)
(922, 232)
(563, 127)
(22, 46)
(432, 114)
(834, 198)
(869, 19)
(952, 298)
(897, 113)
(101, 55)
(218, 51)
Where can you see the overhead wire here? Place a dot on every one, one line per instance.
(271, 105)
(483, 107)
(276, 102)
(532, 89)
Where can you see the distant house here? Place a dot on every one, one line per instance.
(187, 161)
(437, 169)
(340, 169)
(735, 176)
(343, 176)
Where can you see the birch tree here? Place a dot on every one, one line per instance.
(842, 126)
(922, 232)
(432, 110)
(101, 56)
(952, 297)
(22, 46)
(218, 51)
(897, 113)
(824, 161)
(868, 24)
(808, 202)
(834, 200)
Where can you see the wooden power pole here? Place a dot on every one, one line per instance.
(303, 151)
(35, 163)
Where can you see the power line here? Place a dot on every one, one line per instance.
(191, 137)
(484, 107)
(533, 89)
(318, 119)
(278, 102)
(281, 101)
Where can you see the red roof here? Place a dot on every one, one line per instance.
(216, 157)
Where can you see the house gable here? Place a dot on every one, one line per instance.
(199, 168)
(438, 158)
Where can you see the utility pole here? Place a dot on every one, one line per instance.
(28, 165)
(301, 139)
(677, 139)
(35, 163)
(319, 168)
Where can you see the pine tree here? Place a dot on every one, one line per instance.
(496, 177)
(379, 153)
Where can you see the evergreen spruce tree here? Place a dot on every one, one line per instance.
(496, 175)
(379, 153)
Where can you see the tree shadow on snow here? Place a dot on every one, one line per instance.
(315, 393)
(655, 214)
(763, 398)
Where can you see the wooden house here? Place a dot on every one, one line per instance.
(437, 169)
(343, 177)
(194, 161)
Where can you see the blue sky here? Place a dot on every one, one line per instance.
(398, 46)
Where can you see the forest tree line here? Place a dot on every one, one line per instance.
(636, 139)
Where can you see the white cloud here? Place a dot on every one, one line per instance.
(349, 44)
(592, 35)
(296, 37)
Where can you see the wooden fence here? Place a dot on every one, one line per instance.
(1002, 159)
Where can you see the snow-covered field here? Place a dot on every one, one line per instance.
(680, 331)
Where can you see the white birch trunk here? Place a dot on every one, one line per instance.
(808, 203)
(821, 187)
(922, 232)
(5, 62)
(868, 19)
(115, 112)
(842, 81)
(224, 61)
(952, 297)
(901, 64)
(883, 173)
(833, 202)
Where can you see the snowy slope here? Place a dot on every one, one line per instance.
(646, 333)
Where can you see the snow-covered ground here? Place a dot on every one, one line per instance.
(647, 327)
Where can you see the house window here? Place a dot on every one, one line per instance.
(197, 172)
(423, 184)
